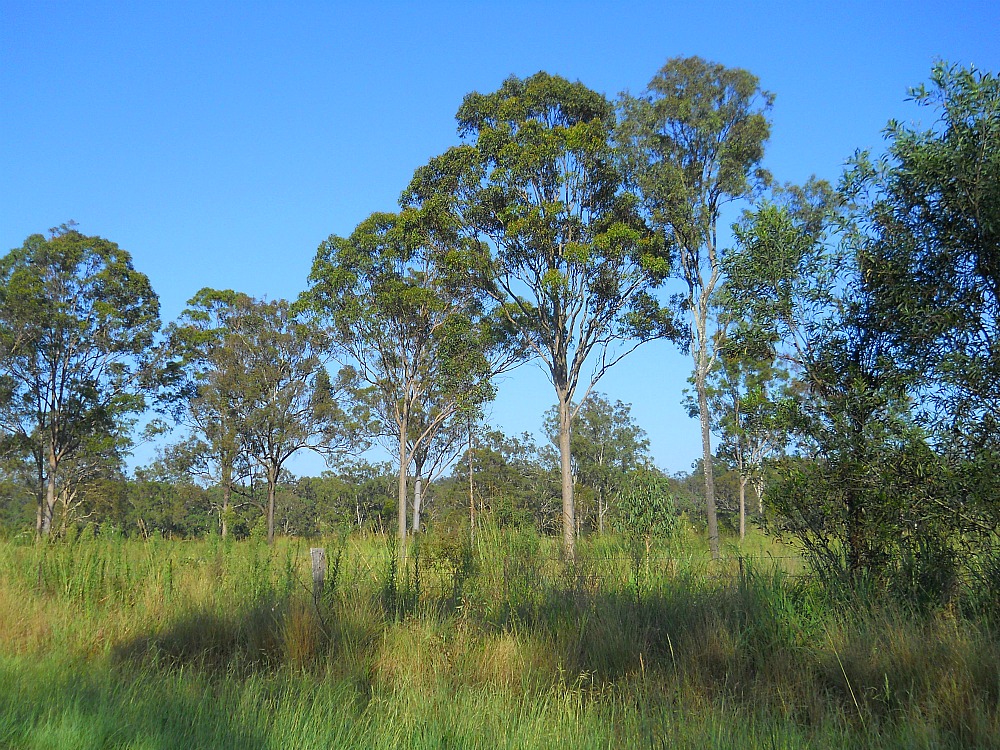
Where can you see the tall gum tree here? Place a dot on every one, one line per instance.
(76, 326)
(562, 250)
(423, 349)
(694, 141)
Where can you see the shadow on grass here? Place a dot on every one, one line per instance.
(757, 642)
(235, 643)
(78, 704)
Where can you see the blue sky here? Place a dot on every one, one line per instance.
(220, 142)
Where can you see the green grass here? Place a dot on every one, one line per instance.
(128, 644)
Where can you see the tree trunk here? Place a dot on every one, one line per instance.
(417, 499)
(401, 497)
(48, 509)
(272, 481)
(568, 512)
(706, 453)
(472, 497)
(40, 512)
(743, 507)
(227, 494)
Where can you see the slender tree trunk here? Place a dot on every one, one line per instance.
(50, 495)
(758, 488)
(472, 496)
(39, 493)
(227, 495)
(40, 512)
(272, 481)
(401, 497)
(417, 500)
(565, 466)
(706, 452)
(743, 507)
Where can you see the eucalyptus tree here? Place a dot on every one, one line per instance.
(399, 310)
(76, 328)
(202, 389)
(286, 400)
(746, 393)
(555, 242)
(694, 142)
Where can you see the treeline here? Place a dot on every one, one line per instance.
(515, 484)
(843, 347)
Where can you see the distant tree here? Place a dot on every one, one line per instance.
(203, 388)
(287, 401)
(746, 393)
(163, 501)
(76, 328)
(555, 241)
(511, 485)
(694, 141)
(356, 495)
(606, 445)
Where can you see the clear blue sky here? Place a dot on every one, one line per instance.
(221, 142)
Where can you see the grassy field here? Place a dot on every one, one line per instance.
(131, 644)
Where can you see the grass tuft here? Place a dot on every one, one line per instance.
(119, 643)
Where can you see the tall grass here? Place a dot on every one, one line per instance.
(115, 643)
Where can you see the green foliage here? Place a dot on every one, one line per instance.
(645, 513)
(510, 484)
(931, 253)
(76, 326)
(693, 143)
(553, 238)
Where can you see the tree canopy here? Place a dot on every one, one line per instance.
(694, 142)
(401, 312)
(76, 329)
(556, 242)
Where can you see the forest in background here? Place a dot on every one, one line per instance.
(843, 346)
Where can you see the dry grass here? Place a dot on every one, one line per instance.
(509, 627)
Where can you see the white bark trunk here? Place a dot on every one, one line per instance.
(568, 510)
(417, 500)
